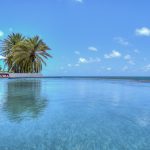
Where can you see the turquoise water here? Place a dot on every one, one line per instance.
(74, 114)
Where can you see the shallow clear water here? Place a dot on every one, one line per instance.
(74, 114)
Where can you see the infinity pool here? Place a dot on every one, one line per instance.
(74, 114)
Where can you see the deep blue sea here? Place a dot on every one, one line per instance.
(74, 114)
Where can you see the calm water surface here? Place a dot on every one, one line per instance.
(74, 114)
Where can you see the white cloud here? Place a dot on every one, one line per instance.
(128, 58)
(113, 54)
(1, 33)
(80, 1)
(77, 52)
(89, 60)
(92, 60)
(92, 48)
(121, 41)
(2, 57)
(83, 60)
(73, 65)
(144, 31)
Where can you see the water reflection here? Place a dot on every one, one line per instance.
(24, 100)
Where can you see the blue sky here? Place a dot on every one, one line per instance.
(87, 37)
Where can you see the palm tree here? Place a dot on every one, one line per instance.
(29, 55)
(7, 46)
(25, 55)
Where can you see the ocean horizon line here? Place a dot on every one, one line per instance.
(137, 78)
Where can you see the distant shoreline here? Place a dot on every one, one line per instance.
(135, 78)
(32, 75)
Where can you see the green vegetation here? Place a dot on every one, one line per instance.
(24, 55)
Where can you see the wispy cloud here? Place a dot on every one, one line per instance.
(69, 65)
(92, 60)
(129, 59)
(92, 48)
(77, 52)
(144, 31)
(73, 65)
(109, 69)
(121, 41)
(113, 54)
(77, 65)
(88, 60)
(1, 33)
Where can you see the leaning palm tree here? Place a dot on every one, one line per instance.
(28, 55)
